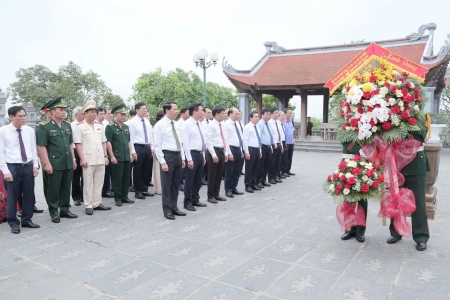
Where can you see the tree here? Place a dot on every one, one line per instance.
(268, 101)
(185, 88)
(444, 112)
(39, 84)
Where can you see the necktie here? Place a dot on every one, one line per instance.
(239, 135)
(278, 130)
(22, 147)
(207, 121)
(223, 137)
(270, 133)
(201, 135)
(242, 129)
(175, 135)
(145, 131)
(257, 135)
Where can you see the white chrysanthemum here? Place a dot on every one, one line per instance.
(395, 122)
(399, 93)
(352, 164)
(383, 91)
(346, 191)
(412, 85)
(416, 107)
(365, 178)
(398, 83)
(369, 166)
(332, 188)
(365, 103)
(374, 128)
(391, 101)
(380, 83)
(355, 94)
(400, 103)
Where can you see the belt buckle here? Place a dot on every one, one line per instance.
(24, 164)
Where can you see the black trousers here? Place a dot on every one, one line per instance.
(107, 181)
(131, 173)
(193, 181)
(264, 163)
(233, 169)
(282, 159)
(287, 163)
(141, 167)
(275, 163)
(170, 181)
(21, 186)
(251, 167)
(77, 180)
(215, 171)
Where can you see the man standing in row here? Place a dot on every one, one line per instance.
(288, 126)
(252, 148)
(90, 142)
(119, 149)
(279, 123)
(266, 148)
(171, 157)
(54, 141)
(277, 149)
(183, 116)
(103, 117)
(77, 180)
(207, 117)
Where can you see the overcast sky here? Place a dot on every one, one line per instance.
(121, 39)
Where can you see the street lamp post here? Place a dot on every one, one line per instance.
(200, 60)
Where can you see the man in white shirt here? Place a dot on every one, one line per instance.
(217, 154)
(77, 179)
(19, 164)
(182, 117)
(283, 156)
(90, 142)
(170, 155)
(252, 148)
(141, 148)
(194, 146)
(207, 117)
(108, 117)
(278, 150)
(233, 167)
(131, 115)
(107, 186)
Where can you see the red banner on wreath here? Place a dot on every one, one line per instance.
(375, 52)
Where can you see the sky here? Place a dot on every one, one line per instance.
(121, 39)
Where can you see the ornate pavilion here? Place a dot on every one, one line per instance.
(284, 73)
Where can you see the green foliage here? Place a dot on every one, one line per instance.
(316, 123)
(268, 101)
(39, 84)
(333, 112)
(444, 113)
(185, 88)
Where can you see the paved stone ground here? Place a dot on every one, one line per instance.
(281, 243)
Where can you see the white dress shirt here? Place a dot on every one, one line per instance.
(191, 138)
(137, 135)
(250, 138)
(231, 134)
(164, 139)
(273, 127)
(214, 138)
(10, 147)
(205, 123)
(280, 127)
(105, 122)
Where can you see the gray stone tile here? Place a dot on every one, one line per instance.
(61, 241)
(97, 232)
(355, 288)
(215, 262)
(37, 275)
(255, 274)
(251, 242)
(120, 237)
(75, 292)
(11, 258)
(248, 221)
(220, 291)
(377, 244)
(174, 284)
(335, 239)
(179, 253)
(44, 289)
(437, 252)
(128, 277)
(149, 244)
(302, 283)
(315, 232)
(10, 285)
(288, 249)
(17, 268)
(279, 226)
(330, 258)
(224, 215)
(187, 229)
(219, 235)
(27, 237)
(404, 293)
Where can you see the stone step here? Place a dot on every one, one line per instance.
(318, 146)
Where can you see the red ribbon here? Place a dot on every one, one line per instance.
(350, 214)
(397, 202)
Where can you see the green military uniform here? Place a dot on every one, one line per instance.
(119, 138)
(415, 180)
(58, 141)
(44, 174)
(356, 230)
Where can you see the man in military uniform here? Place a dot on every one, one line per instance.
(119, 149)
(54, 140)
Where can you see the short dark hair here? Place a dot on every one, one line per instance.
(13, 110)
(230, 111)
(272, 110)
(252, 114)
(264, 110)
(139, 105)
(100, 109)
(217, 110)
(159, 115)
(205, 108)
(184, 109)
(168, 106)
(194, 107)
(132, 112)
(287, 109)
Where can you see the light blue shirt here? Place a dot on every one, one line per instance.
(289, 131)
(265, 135)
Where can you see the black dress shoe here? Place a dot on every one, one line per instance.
(255, 188)
(278, 180)
(212, 200)
(283, 177)
(249, 190)
(236, 192)
(148, 194)
(108, 194)
(56, 219)
(179, 213)
(260, 185)
(229, 195)
(31, 225)
(169, 216)
(19, 213)
(286, 175)
(15, 230)
(118, 203)
(223, 178)
(150, 184)
(272, 182)
(102, 207)
(199, 204)
(360, 238)
(89, 211)
(128, 201)
(68, 215)
(181, 188)
(189, 207)
(290, 174)
(36, 210)
(265, 184)
(347, 236)
(131, 189)
(204, 182)
(139, 196)
(393, 239)
(421, 246)
(77, 202)
(220, 198)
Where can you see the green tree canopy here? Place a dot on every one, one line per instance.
(184, 87)
(268, 101)
(39, 84)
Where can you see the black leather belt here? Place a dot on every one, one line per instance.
(23, 165)
(142, 145)
(219, 149)
(234, 147)
(257, 148)
(196, 151)
(171, 152)
(266, 145)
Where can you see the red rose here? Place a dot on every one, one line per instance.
(373, 78)
(395, 109)
(342, 165)
(356, 157)
(372, 122)
(375, 184)
(416, 90)
(386, 126)
(376, 166)
(348, 186)
(356, 171)
(336, 192)
(374, 92)
(408, 84)
(335, 176)
(351, 180)
(344, 126)
(412, 121)
(405, 114)
(369, 173)
(342, 177)
(404, 91)
(381, 178)
(365, 188)
(370, 109)
(361, 110)
(339, 187)
(387, 85)
(394, 89)
(366, 95)
(329, 178)
(354, 123)
(419, 98)
(348, 88)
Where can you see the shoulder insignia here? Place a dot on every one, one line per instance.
(66, 122)
(95, 121)
(80, 122)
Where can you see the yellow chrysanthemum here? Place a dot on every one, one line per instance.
(367, 87)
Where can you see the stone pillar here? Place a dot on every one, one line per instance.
(280, 103)
(326, 106)
(3, 98)
(32, 117)
(243, 107)
(303, 114)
